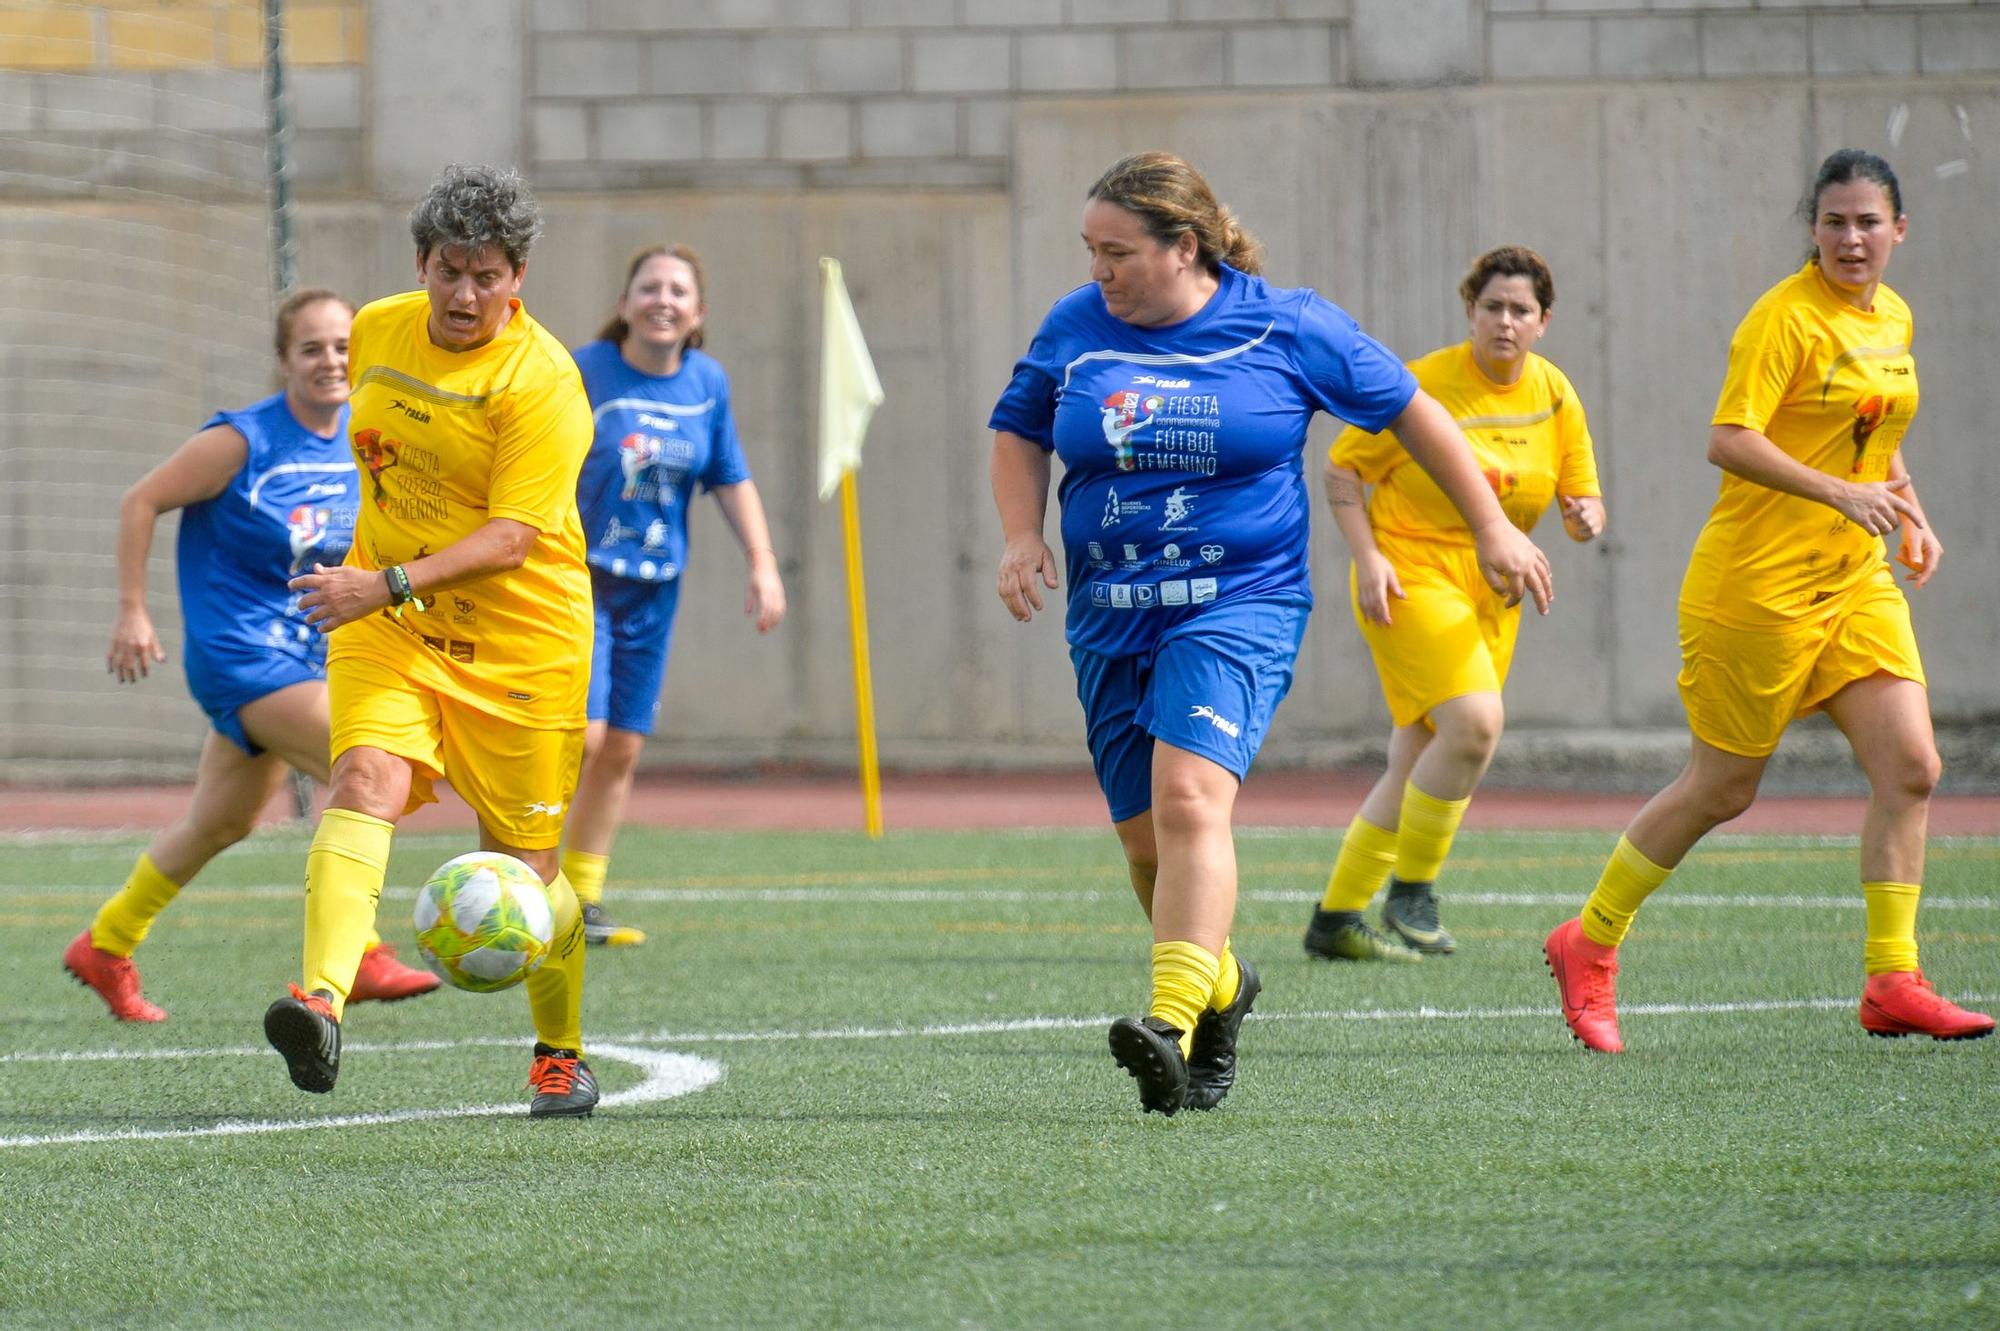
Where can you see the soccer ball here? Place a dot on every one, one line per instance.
(483, 921)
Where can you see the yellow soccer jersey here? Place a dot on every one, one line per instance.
(446, 441)
(1835, 388)
(1530, 439)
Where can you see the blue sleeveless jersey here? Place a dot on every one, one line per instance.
(1182, 447)
(291, 506)
(656, 437)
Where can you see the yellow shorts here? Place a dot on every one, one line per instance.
(1742, 687)
(1453, 635)
(517, 779)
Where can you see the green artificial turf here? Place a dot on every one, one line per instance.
(916, 1122)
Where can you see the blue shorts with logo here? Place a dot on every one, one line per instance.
(628, 657)
(1209, 685)
(223, 681)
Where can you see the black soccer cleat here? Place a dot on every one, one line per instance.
(1410, 912)
(1211, 1062)
(1150, 1050)
(562, 1083)
(1342, 935)
(302, 1027)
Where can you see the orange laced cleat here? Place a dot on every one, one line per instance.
(562, 1082)
(1586, 979)
(1899, 1003)
(381, 978)
(115, 979)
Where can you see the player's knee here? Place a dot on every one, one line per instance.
(619, 752)
(1719, 802)
(1916, 775)
(1474, 727)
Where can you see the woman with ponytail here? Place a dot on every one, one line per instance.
(1790, 607)
(1177, 386)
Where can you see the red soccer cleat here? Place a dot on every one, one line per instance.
(380, 978)
(1899, 1003)
(115, 979)
(1586, 979)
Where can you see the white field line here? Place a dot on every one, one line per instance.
(622, 1046)
(950, 895)
(667, 1076)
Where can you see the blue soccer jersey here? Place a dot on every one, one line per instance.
(291, 506)
(1182, 447)
(656, 437)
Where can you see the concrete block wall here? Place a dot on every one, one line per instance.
(837, 93)
(1651, 150)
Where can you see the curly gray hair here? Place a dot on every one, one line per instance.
(475, 206)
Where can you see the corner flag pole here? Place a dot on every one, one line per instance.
(849, 392)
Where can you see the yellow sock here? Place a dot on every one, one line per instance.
(123, 922)
(1183, 978)
(1628, 879)
(586, 873)
(1424, 833)
(555, 990)
(1228, 979)
(1367, 854)
(1892, 927)
(344, 872)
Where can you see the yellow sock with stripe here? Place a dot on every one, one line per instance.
(586, 873)
(1892, 927)
(123, 922)
(1183, 979)
(555, 990)
(1425, 832)
(1228, 979)
(344, 872)
(1367, 855)
(1628, 879)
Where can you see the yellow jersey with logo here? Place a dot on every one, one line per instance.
(1530, 439)
(1834, 387)
(447, 441)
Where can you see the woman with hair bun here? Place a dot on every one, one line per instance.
(1177, 385)
(264, 491)
(1790, 607)
(1441, 640)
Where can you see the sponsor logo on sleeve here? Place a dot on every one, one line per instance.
(1202, 589)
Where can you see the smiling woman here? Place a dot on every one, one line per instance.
(263, 491)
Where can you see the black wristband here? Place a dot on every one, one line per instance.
(400, 592)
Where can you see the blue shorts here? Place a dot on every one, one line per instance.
(628, 657)
(1209, 685)
(224, 682)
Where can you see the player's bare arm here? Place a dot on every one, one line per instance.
(1512, 563)
(764, 596)
(341, 595)
(1920, 551)
(1375, 578)
(1877, 507)
(198, 470)
(1021, 492)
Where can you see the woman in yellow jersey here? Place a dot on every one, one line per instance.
(1441, 638)
(1789, 606)
(460, 623)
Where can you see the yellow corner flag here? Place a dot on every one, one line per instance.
(849, 392)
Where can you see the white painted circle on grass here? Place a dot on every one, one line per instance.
(668, 1076)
